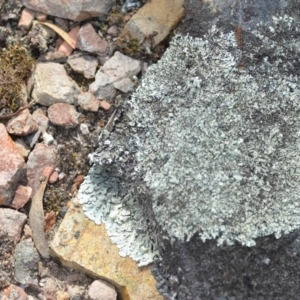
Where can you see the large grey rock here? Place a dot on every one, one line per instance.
(204, 162)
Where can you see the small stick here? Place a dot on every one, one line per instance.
(9, 116)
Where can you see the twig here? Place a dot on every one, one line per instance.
(9, 116)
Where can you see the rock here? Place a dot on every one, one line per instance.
(41, 16)
(26, 19)
(62, 23)
(47, 138)
(22, 196)
(74, 10)
(235, 199)
(157, 18)
(53, 178)
(43, 123)
(41, 157)
(12, 167)
(26, 263)
(7, 248)
(115, 69)
(90, 41)
(84, 129)
(102, 290)
(104, 104)
(113, 30)
(83, 64)
(102, 87)
(61, 295)
(64, 47)
(23, 148)
(50, 220)
(121, 66)
(88, 101)
(124, 85)
(13, 292)
(63, 114)
(84, 246)
(41, 119)
(22, 125)
(11, 223)
(53, 85)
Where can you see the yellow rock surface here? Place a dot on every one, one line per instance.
(82, 245)
(156, 17)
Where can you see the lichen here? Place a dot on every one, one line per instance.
(204, 147)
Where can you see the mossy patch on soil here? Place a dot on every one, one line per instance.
(15, 65)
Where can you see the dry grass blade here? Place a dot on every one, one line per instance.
(72, 42)
(37, 219)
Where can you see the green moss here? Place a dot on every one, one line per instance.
(15, 65)
(128, 44)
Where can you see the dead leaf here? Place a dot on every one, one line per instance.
(36, 217)
(71, 41)
(50, 220)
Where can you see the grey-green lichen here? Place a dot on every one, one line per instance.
(209, 144)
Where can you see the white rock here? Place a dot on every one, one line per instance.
(115, 69)
(125, 85)
(53, 85)
(83, 64)
(84, 129)
(47, 138)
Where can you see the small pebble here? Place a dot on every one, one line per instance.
(84, 129)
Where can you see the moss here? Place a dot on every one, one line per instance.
(128, 44)
(15, 65)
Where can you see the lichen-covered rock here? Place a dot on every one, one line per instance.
(209, 145)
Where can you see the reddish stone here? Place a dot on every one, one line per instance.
(41, 157)
(50, 220)
(23, 124)
(88, 101)
(64, 47)
(12, 167)
(90, 41)
(26, 19)
(12, 222)
(102, 290)
(22, 196)
(105, 105)
(13, 292)
(113, 30)
(63, 114)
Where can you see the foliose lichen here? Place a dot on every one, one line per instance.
(209, 144)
